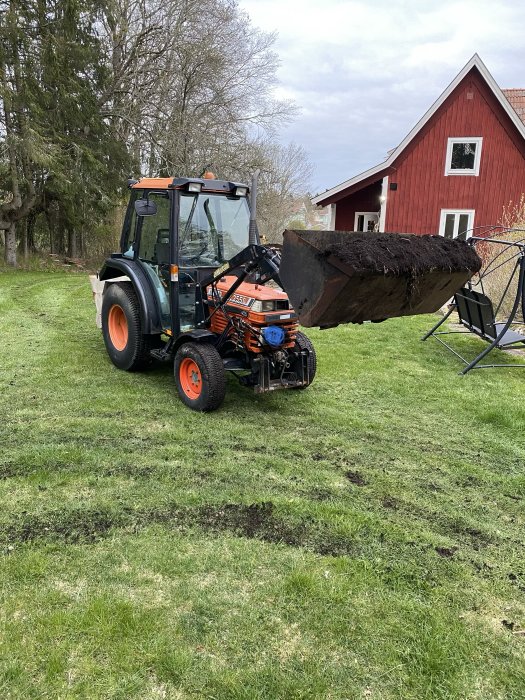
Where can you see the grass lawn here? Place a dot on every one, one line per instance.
(361, 539)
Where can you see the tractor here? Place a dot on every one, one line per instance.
(193, 285)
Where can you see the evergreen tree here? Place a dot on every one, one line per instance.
(61, 155)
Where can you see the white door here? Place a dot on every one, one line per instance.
(366, 221)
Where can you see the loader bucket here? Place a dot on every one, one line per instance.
(334, 277)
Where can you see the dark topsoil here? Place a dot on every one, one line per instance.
(402, 253)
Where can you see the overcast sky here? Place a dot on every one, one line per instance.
(363, 73)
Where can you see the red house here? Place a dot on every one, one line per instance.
(455, 171)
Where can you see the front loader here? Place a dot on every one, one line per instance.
(193, 285)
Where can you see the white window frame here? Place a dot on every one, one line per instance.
(366, 213)
(478, 140)
(332, 216)
(471, 213)
(383, 199)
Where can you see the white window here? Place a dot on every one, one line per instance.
(366, 221)
(456, 223)
(463, 155)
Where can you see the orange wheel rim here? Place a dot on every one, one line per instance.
(190, 378)
(118, 327)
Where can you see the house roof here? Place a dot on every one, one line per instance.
(516, 97)
(379, 170)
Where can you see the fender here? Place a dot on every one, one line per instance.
(198, 335)
(116, 266)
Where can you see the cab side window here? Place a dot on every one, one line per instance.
(154, 230)
(130, 228)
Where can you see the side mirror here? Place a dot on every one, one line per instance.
(145, 207)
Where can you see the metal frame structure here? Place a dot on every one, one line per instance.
(475, 308)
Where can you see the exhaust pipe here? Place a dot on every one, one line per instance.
(253, 231)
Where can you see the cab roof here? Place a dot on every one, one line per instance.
(179, 183)
(155, 183)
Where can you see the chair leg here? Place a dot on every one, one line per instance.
(490, 347)
(438, 324)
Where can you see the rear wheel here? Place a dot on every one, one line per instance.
(127, 347)
(302, 342)
(200, 376)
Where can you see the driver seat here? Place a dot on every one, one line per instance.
(161, 251)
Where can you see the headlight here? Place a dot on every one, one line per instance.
(194, 186)
(262, 306)
(240, 191)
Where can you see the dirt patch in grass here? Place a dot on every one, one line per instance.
(434, 488)
(508, 625)
(446, 552)
(478, 539)
(513, 496)
(390, 502)
(356, 478)
(467, 480)
(9, 470)
(517, 580)
(254, 521)
(259, 521)
(67, 526)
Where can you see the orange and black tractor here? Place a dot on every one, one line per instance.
(190, 285)
(193, 285)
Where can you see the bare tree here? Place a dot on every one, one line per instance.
(285, 175)
(189, 80)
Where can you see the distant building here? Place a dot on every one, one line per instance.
(456, 170)
(308, 215)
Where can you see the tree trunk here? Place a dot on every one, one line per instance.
(31, 223)
(10, 245)
(72, 243)
(50, 218)
(22, 244)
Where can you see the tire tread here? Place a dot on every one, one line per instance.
(302, 342)
(137, 356)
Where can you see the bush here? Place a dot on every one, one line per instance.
(499, 275)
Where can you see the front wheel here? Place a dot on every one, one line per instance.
(302, 342)
(200, 376)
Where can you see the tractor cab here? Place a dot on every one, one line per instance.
(178, 231)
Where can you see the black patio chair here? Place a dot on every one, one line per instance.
(476, 311)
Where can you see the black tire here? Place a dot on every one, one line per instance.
(127, 347)
(302, 342)
(200, 376)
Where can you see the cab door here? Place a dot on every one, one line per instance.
(199, 251)
(153, 252)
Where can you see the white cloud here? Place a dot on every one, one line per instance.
(363, 73)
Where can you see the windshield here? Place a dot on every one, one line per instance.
(212, 228)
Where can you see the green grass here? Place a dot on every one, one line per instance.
(361, 539)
